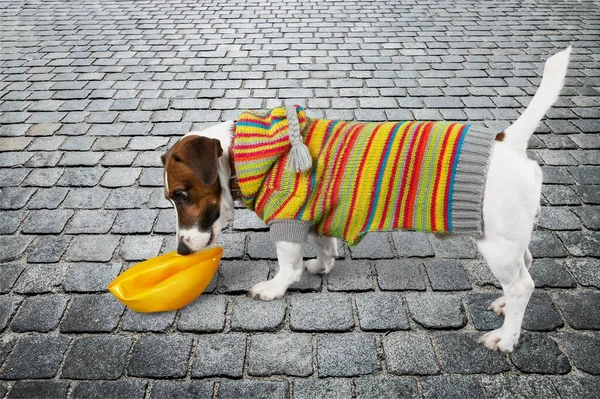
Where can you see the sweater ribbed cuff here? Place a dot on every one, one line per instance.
(469, 183)
(290, 230)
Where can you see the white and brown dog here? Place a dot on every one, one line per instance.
(198, 181)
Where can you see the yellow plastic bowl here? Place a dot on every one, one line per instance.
(166, 282)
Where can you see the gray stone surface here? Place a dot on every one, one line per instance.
(219, 355)
(253, 315)
(39, 313)
(92, 93)
(280, 354)
(96, 358)
(409, 353)
(205, 314)
(381, 311)
(160, 356)
(433, 310)
(35, 356)
(346, 355)
(321, 312)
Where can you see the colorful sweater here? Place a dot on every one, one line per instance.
(423, 176)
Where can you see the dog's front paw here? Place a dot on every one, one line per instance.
(267, 290)
(499, 340)
(498, 306)
(313, 266)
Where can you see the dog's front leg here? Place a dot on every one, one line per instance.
(289, 255)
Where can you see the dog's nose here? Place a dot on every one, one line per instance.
(182, 249)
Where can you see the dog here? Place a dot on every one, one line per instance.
(200, 181)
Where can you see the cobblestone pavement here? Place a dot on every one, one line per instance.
(92, 92)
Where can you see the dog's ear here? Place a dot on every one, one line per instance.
(163, 158)
(201, 156)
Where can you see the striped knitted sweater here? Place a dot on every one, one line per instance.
(423, 176)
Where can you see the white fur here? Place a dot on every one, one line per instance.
(510, 208)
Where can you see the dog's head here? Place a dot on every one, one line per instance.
(192, 185)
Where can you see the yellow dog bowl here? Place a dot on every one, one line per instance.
(167, 282)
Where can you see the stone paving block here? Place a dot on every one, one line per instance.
(133, 389)
(15, 197)
(545, 244)
(48, 249)
(373, 246)
(234, 244)
(11, 220)
(119, 158)
(86, 198)
(321, 312)
(13, 177)
(8, 306)
(573, 386)
(386, 387)
(541, 314)
(260, 246)
(451, 386)
(461, 353)
(205, 314)
(580, 243)
(580, 309)
(12, 159)
(110, 143)
(447, 275)
(49, 198)
(409, 353)
(560, 195)
(590, 216)
(14, 246)
(589, 194)
(96, 358)
(38, 389)
(510, 386)
(14, 143)
(90, 277)
(583, 350)
(349, 275)
(346, 355)
(81, 177)
(44, 177)
(410, 244)
(454, 247)
(585, 271)
(381, 311)
(483, 317)
(254, 315)
(35, 356)
(10, 273)
(240, 276)
(399, 275)
(137, 248)
(120, 177)
(285, 354)
(219, 355)
(154, 177)
(554, 218)
(134, 221)
(232, 389)
(40, 278)
(128, 198)
(80, 158)
(333, 388)
(39, 313)
(181, 389)
(550, 273)
(245, 219)
(160, 356)
(143, 322)
(537, 353)
(91, 221)
(92, 313)
(433, 310)
(92, 248)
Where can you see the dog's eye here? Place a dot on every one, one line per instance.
(181, 195)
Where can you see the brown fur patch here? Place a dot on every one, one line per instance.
(191, 167)
(500, 136)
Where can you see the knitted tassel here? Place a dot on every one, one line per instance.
(299, 159)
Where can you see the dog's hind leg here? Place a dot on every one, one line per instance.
(326, 248)
(506, 259)
(289, 255)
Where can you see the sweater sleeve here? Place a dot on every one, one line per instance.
(290, 230)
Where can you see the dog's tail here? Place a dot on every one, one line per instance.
(518, 134)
